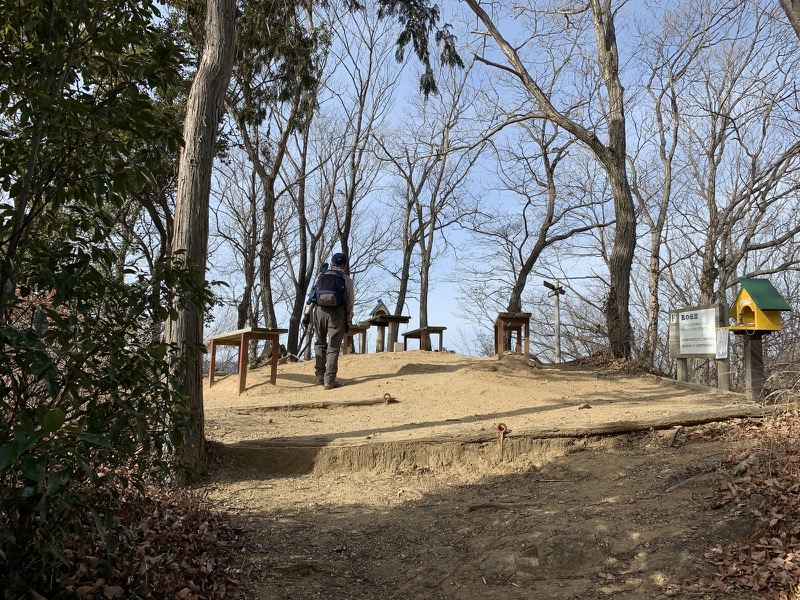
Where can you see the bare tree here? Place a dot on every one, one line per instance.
(600, 16)
(304, 244)
(667, 54)
(552, 210)
(433, 158)
(237, 225)
(743, 159)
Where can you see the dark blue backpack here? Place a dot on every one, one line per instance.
(331, 289)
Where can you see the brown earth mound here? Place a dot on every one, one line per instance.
(416, 498)
(412, 396)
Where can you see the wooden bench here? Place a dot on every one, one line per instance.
(241, 338)
(513, 323)
(355, 330)
(421, 333)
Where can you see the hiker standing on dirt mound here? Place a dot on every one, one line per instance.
(334, 299)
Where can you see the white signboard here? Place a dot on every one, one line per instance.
(722, 344)
(698, 331)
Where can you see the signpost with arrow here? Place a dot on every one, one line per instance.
(556, 290)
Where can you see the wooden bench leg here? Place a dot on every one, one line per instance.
(273, 374)
(527, 339)
(212, 362)
(243, 363)
(500, 339)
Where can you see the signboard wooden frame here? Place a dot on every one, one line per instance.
(701, 332)
(693, 332)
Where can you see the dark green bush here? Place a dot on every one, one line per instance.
(87, 407)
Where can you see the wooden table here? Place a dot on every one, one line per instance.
(241, 338)
(421, 333)
(360, 329)
(513, 323)
(381, 322)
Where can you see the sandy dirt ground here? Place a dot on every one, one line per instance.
(590, 492)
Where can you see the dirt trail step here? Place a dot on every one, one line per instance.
(386, 452)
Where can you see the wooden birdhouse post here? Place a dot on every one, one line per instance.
(381, 319)
(380, 311)
(756, 313)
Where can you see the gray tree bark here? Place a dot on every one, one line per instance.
(792, 9)
(203, 113)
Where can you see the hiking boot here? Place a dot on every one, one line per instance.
(320, 380)
(332, 384)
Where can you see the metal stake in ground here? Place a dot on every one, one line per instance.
(501, 427)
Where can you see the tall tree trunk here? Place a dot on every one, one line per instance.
(203, 114)
(265, 256)
(792, 8)
(618, 320)
(424, 285)
(409, 239)
(614, 158)
(244, 311)
(668, 141)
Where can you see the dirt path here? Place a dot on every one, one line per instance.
(624, 516)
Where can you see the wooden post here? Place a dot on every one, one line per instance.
(243, 356)
(723, 364)
(724, 374)
(556, 295)
(527, 339)
(683, 370)
(212, 363)
(379, 340)
(499, 339)
(753, 366)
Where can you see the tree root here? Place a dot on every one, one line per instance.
(737, 469)
(496, 505)
(304, 567)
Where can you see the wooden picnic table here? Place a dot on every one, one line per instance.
(421, 333)
(513, 323)
(241, 338)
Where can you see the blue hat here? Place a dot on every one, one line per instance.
(339, 259)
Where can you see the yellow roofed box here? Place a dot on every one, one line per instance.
(757, 307)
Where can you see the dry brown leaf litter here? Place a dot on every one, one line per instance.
(173, 546)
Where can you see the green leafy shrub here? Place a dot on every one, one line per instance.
(87, 407)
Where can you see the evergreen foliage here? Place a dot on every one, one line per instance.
(86, 410)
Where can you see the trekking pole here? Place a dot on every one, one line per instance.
(304, 346)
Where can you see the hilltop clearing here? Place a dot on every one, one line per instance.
(594, 492)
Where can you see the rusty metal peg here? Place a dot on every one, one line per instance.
(387, 398)
(502, 428)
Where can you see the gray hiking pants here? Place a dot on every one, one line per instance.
(329, 326)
